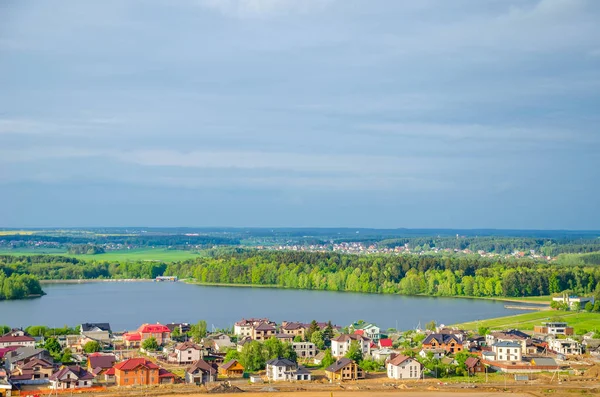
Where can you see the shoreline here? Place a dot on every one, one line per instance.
(96, 280)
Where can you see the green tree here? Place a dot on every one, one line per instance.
(589, 307)
(576, 306)
(232, 354)
(289, 352)
(4, 329)
(52, 345)
(252, 356)
(327, 359)
(328, 332)
(318, 339)
(176, 332)
(431, 326)
(150, 344)
(483, 331)
(297, 338)
(67, 357)
(92, 347)
(198, 330)
(314, 326)
(597, 306)
(354, 352)
(272, 348)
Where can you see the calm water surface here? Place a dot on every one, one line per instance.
(126, 305)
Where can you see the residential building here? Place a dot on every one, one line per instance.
(573, 300)
(507, 351)
(160, 332)
(245, 326)
(241, 342)
(385, 343)
(99, 363)
(186, 353)
(567, 347)
(281, 369)
(23, 355)
(263, 331)
(231, 368)
(449, 342)
(341, 344)
(512, 335)
(221, 342)
(382, 354)
(36, 371)
(71, 377)
(100, 332)
(554, 328)
(474, 365)
(292, 328)
(182, 328)
(344, 369)
(200, 373)
(284, 338)
(304, 349)
(403, 367)
(369, 330)
(16, 337)
(435, 353)
(140, 371)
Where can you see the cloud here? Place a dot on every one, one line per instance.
(262, 8)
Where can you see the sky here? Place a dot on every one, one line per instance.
(300, 113)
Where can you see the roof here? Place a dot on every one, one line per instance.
(545, 362)
(386, 342)
(76, 370)
(442, 339)
(292, 326)
(202, 366)
(86, 327)
(101, 361)
(133, 363)
(36, 361)
(264, 327)
(339, 364)
(110, 371)
(163, 373)
(230, 364)
(359, 332)
(302, 370)
(349, 337)
(471, 362)
(188, 345)
(16, 339)
(153, 328)
(22, 353)
(132, 336)
(4, 350)
(399, 359)
(281, 362)
(507, 344)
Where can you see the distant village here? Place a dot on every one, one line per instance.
(258, 350)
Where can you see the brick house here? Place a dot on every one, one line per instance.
(344, 369)
(448, 342)
(139, 371)
(160, 332)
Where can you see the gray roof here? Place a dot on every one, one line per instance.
(507, 344)
(23, 353)
(545, 361)
(281, 362)
(302, 370)
(339, 364)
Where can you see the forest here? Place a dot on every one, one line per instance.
(18, 286)
(406, 274)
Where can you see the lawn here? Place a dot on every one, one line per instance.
(526, 321)
(142, 254)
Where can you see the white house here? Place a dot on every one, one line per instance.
(16, 337)
(507, 351)
(96, 331)
(403, 367)
(282, 369)
(369, 330)
(382, 354)
(341, 344)
(572, 300)
(245, 327)
(565, 346)
(437, 353)
(71, 377)
(186, 353)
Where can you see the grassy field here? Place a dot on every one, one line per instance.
(581, 320)
(144, 254)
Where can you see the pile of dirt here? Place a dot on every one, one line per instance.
(593, 372)
(403, 386)
(269, 389)
(226, 387)
(431, 388)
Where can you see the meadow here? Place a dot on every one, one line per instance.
(141, 254)
(526, 321)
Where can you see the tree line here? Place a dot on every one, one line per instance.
(18, 286)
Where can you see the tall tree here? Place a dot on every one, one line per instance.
(354, 352)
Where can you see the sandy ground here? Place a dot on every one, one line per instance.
(372, 393)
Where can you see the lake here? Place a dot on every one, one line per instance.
(126, 305)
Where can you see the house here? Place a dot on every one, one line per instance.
(96, 331)
(99, 363)
(284, 338)
(382, 354)
(23, 355)
(436, 354)
(36, 371)
(109, 375)
(200, 373)
(507, 351)
(344, 369)
(574, 300)
(71, 377)
(160, 332)
(240, 344)
(221, 342)
(554, 328)
(186, 353)
(304, 349)
(449, 342)
(263, 331)
(385, 342)
(231, 368)
(246, 326)
(512, 336)
(182, 328)
(281, 369)
(140, 371)
(369, 330)
(319, 358)
(303, 374)
(341, 344)
(547, 363)
(403, 367)
(292, 328)
(16, 337)
(474, 365)
(565, 346)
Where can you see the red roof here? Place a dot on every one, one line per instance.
(359, 332)
(12, 339)
(132, 336)
(163, 373)
(153, 328)
(385, 342)
(110, 371)
(133, 363)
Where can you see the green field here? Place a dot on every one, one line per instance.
(143, 254)
(581, 320)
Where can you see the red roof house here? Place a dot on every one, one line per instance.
(385, 343)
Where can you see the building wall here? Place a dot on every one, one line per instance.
(409, 369)
(137, 377)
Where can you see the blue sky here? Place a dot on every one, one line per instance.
(379, 113)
